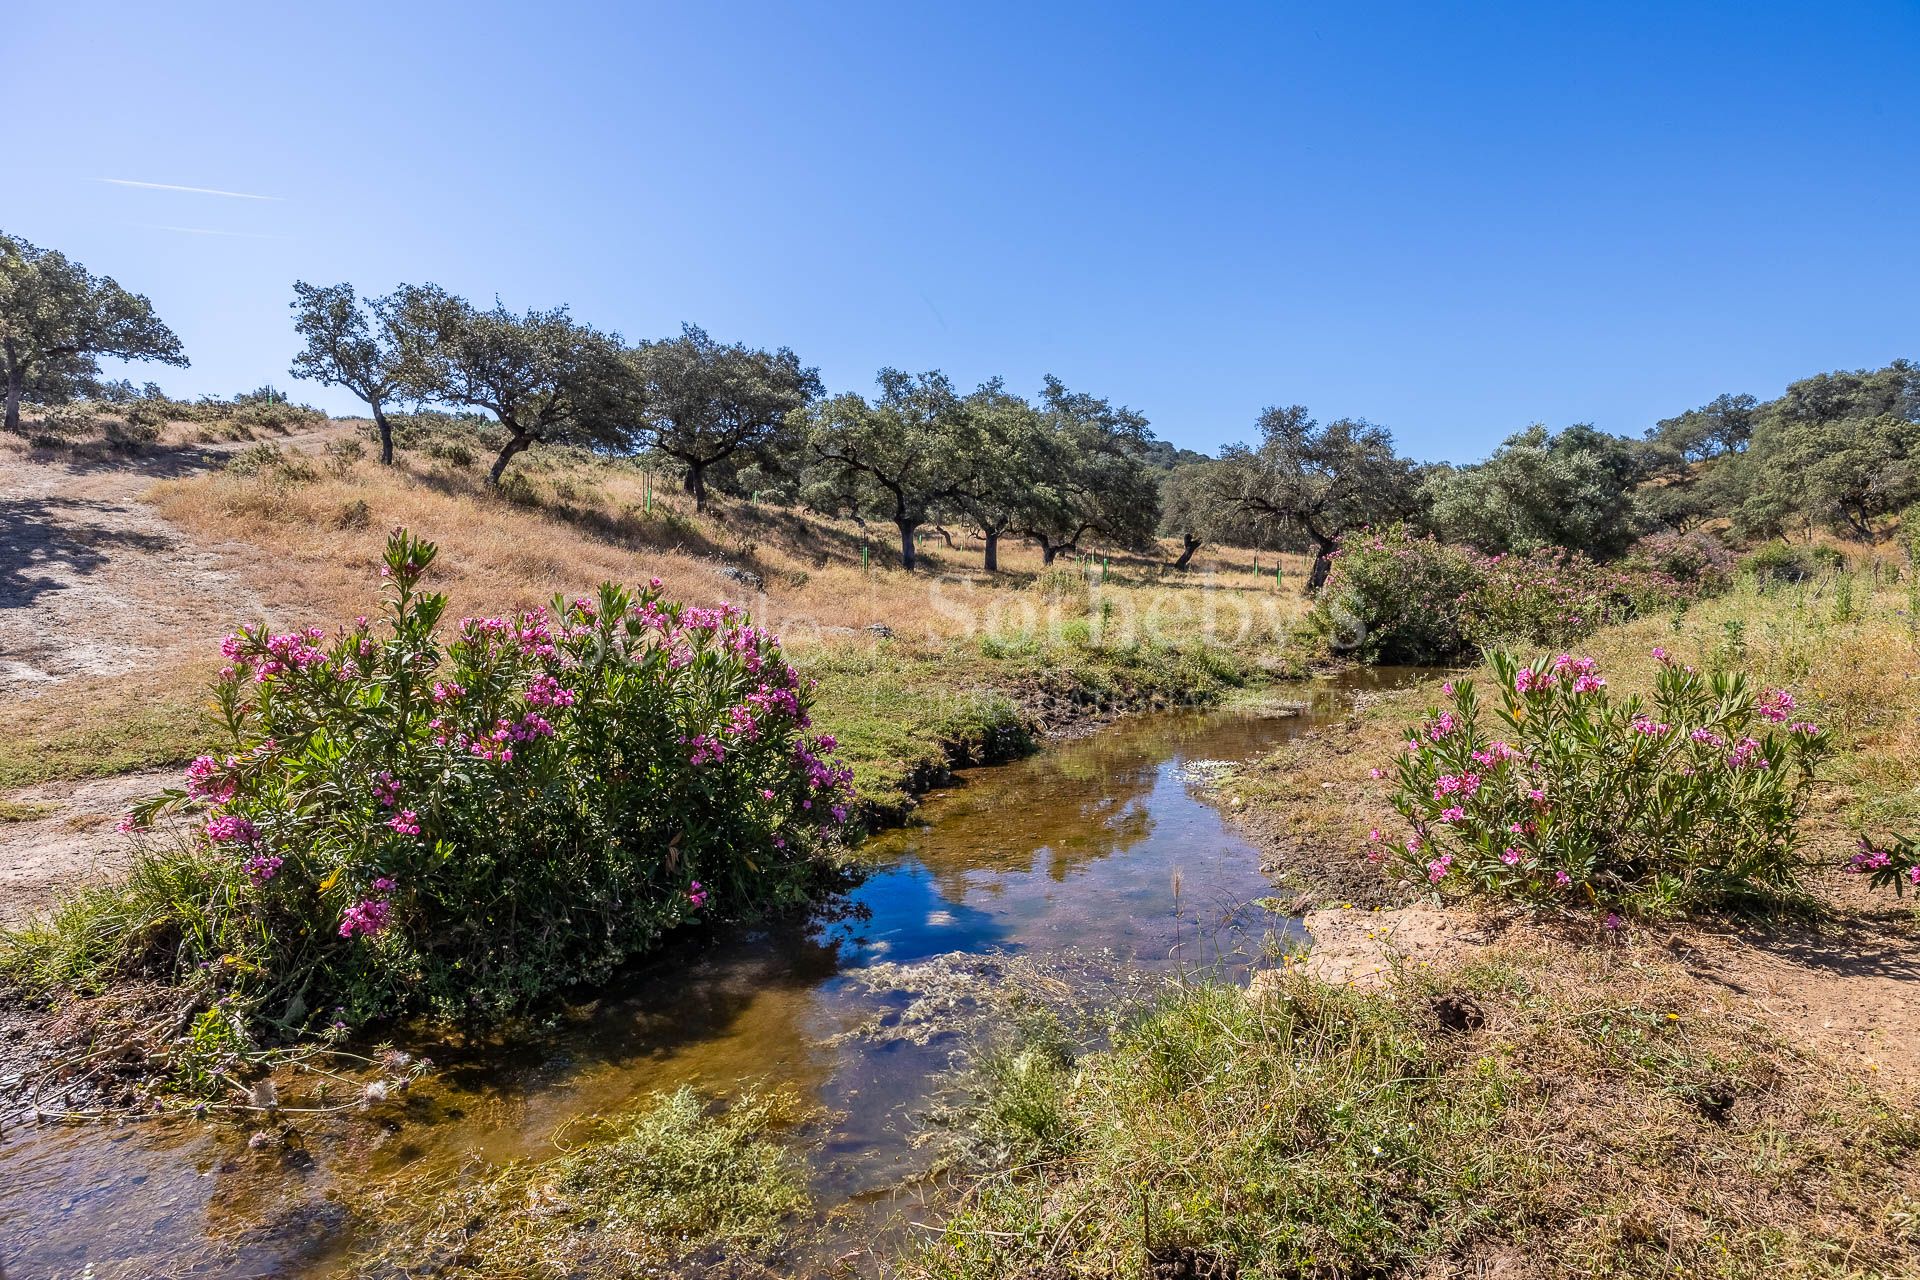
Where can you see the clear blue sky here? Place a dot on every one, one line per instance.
(1451, 219)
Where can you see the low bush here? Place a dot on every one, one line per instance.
(400, 826)
(1792, 562)
(1562, 794)
(1396, 597)
(1698, 560)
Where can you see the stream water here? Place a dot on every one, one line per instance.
(1091, 863)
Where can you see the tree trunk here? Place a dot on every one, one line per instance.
(13, 400)
(907, 549)
(386, 435)
(1322, 563)
(697, 484)
(1192, 544)
(499, 469)
(1047, 551)
(993, 552)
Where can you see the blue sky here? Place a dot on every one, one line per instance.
(1450, 219)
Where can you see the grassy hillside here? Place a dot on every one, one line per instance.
(943, 665)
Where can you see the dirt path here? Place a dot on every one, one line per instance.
(94, 583)
(1846, 988)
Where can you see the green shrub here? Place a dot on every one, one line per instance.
(268, 462)
(1565, 795)
(1792, 562)
(1395, 597)
(1697, 559)
(399, 826)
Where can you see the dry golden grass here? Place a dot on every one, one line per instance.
(565, 522)
(916, 667)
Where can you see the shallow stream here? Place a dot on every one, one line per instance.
(1089, 868)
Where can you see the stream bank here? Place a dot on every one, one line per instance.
(1086, 873)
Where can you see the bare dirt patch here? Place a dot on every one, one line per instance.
(96, 585)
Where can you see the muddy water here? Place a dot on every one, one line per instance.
(1091, 863)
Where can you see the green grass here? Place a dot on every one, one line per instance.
(676, 1177)
(1325, 1131)
(25, 810)
(903, 720)
(98, 733)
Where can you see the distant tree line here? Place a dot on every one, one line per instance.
(1065, 470)
(1060, 471)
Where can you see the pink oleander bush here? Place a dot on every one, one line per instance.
(1894, 864)
(400, 824)
(1394, 596)
(1558, 793)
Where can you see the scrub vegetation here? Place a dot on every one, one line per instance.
(1680, 712)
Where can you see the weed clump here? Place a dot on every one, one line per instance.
(677, 1177)
(1609, 1116)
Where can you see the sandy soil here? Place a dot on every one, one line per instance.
(1847, 989)
(93, 582)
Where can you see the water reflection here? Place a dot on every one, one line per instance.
(1093, 849)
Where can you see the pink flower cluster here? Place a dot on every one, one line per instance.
(370, 915)
(406, 822)
(262, 867)
(228, 828)
(211, 781)
(547, 691)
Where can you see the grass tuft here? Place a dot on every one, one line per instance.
(674, 1179)
(1609, 1117)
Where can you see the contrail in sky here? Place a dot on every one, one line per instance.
(198, 191)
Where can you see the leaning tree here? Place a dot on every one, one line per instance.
(1321, 480)
(57, 319)
(351, 344)
(545, 376)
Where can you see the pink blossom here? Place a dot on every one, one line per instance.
(365, 918)
(1437, 869)
(1776, 704)
(406, 822)
(228, 828)
(1511, 856)
(209, 780)
(262, 867)
(697, 895)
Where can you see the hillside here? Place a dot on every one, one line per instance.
(141, 555)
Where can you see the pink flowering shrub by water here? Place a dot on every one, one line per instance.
(1560, 793)
(1396, 597)
(402, 824)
